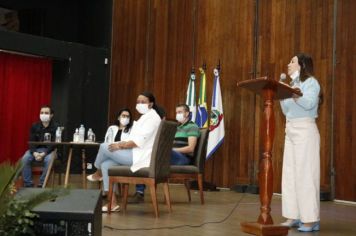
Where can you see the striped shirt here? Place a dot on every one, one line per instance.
(188, 129)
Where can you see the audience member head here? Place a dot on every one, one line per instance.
(182, 113)
(146, 101)
(124, 118)
(46, 114)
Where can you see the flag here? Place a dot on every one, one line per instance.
(202, 114)
(191, 96)
(216, 128)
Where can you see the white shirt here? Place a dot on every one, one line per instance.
(143, 134)
(114, 129)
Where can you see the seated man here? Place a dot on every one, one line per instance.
(185, 140)
(39, 153)
(186, 137)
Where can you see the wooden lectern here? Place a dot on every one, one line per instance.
(269, 89)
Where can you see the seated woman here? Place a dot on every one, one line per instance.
(185, 141)
(136, 150)
(120, 131)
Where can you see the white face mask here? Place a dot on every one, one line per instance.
(142, 108)
(124, 121)
(295, 75)
(180, 117)
(45, 117)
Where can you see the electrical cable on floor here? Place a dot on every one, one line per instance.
(181, 226)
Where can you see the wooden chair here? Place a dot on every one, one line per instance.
(195, 171)
(157, 172)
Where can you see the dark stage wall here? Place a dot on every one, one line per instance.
(76, 35)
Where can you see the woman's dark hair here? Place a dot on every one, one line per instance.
(306, 66)
(307, 70)
(160, 111)
(129, 125)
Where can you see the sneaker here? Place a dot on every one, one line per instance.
(137, 198)
(93, 178)
(314, 227)
(39, 185)
(292, 223)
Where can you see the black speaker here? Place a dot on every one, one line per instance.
(76, 213)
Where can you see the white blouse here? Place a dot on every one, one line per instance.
(114, 129)
(143, 134)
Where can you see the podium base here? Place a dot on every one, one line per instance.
(264, 230)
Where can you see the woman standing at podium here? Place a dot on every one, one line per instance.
(301, 158)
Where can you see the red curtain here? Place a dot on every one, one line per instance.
(25, 85)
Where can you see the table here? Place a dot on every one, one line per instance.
(71, 146)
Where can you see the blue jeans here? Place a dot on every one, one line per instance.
(105, 159)
(177, 158)
(27, 160)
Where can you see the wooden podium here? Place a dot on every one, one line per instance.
(269, 89)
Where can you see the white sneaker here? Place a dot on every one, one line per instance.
(113, 209)
(92, 179)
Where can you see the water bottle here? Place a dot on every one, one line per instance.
(81, 134)
(58, 135)
(91, 135)
(109, 137)
(76, 136)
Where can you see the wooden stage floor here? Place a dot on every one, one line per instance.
(221, 215)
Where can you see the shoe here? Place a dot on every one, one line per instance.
(293, 223)
(28, 185)
(92, 179)
(137, 198)
(113, 209)
(39, 185)
(314, 227)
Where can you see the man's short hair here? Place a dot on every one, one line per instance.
(185, 107)
(50, 108)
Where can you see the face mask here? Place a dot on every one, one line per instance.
(142, 108)
(124, 121)
(180, 117)
(295, 75)
(45, 117)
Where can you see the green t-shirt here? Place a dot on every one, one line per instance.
(188, 129)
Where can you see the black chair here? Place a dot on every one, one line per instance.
(195, 171)
(157, 172)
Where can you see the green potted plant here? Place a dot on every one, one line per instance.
(16, 217)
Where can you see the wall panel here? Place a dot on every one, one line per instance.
(225, 33)
(286, 28)
(156, 42)
(129, 51)
(344, 103)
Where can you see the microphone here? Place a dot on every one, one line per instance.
(282, 77)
